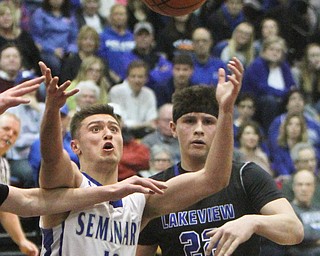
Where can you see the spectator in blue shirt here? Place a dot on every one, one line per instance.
(54, 31)
(205, 66)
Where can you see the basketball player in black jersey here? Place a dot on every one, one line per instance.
(231, 221)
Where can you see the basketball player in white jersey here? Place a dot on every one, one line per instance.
(112, 228)
(35, 202)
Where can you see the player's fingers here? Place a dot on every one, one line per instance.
(214, 240)
(155, 186)
(222, 76)
(232, 247)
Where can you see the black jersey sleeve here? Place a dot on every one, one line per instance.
(4, 191)
(259, 186)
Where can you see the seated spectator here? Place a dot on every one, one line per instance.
(269, 77)
(304, 157)
(307, 75)
(88, 14)
(224, 20)
(54, 30)
(92, 68)
(30, 116)
(295, 103)
(304, 185)
(11, 32)
(160, 160)
(205, 66)
(160, 69)
(268, 28)
(88, 44)
(88, 94)
(249, 139)
(10, 66)
(181, 78)
(162, 135)
(34, 156)
(137, 101)
(292, 131)
(175, 37)
(239, 45)
(116, 40)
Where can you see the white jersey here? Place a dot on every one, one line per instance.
(107, 229)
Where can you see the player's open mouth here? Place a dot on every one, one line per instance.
(108, 146)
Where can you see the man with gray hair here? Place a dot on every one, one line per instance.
(304, 157)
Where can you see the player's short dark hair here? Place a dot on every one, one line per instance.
(85, 112)
(197, 98)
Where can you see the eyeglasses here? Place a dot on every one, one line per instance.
(162, 160)
(246, 106)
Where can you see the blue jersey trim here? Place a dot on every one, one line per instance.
(115, 204)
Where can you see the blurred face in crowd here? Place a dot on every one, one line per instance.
(295, 103)
(118, 16)
(9, 132)
(161, 161)
(137, 78)
(243, 34)
(313, 55)
(294, 128)
(306, 160)
(86, 98)
(202, 42)
(246, 109)
(164, 119)
(144, 40)
(274, 52)
(249, 138)
(94, 72)
(303, 187)
(91, 7)
(182, 19)
(56, 4)
(181, 75)
(6, 19)
(269, 28)
(87, 44)
(234, 6)
(10, 60)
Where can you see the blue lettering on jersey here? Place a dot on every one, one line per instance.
(194, 217)
(99, 227)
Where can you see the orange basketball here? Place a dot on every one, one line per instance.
(173, 7)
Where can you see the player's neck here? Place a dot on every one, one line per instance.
(103, 174)
(191, 164)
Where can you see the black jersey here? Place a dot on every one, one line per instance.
(184, 232)
(4, 191)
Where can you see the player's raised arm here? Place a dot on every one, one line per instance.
(56, 168)
(189, 188)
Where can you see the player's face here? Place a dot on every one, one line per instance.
(99, 139)
(195, 132)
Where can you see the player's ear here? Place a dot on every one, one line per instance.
(173, 129)
(75, 147)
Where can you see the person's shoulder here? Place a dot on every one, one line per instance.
(164, 175)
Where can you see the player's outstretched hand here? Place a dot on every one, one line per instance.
(228, 237)
(137, 184)
(227, 91)
(14, 96)
(28, 248)
(55, 94)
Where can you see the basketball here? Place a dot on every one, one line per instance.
(174, 7)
